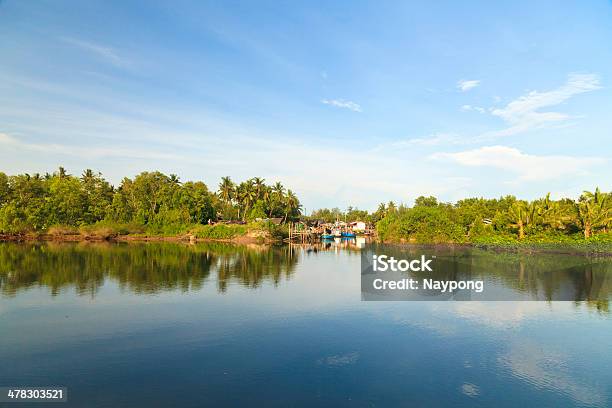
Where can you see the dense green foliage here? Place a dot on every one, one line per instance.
(335, 214)
(501, 221)
(253, 199)
(154, 203)
(151, 202)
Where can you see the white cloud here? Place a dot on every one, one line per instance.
(86, 152)
(523, 113)
(105, 52)
(341, 103)
(465, 84)
(478, 109)
(528, 167)
(432, 140)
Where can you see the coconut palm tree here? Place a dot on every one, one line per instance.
(62, 173)
(247, 195)
(277, 197)
(226, 189)
(258, 185)
(267, 199)
(87, 176)
(226, 193)
(292, 204)
(523, 214)
(278, 189)
(592, 211)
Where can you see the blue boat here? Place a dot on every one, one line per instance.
(327, 236)
(348, 235)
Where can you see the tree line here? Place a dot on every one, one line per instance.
(506, 219)
(37, 202)
(480, 220)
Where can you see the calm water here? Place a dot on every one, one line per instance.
(160, 325)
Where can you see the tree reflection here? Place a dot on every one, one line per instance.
(140, 268)
(146, 268)
(530, 276)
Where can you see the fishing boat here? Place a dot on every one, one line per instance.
(348, 234)
(327, 236)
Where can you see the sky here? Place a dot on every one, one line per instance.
(346, 103)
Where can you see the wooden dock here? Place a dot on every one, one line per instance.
(299, 232)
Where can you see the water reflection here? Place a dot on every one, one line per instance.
(148, 268)
(507, 275)
(301, 338)
(140, 268)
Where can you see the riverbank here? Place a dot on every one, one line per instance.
(587, 248)
(600, 244)
(242, 239)
(234, 233)
(261, 236)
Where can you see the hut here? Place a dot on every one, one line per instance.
(358, 226)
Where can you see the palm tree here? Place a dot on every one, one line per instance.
(247, 196)
(237, 194)
(522, 214)
(592, 211)
(292, 204)
(278, 189)
(267, 198)
(259, 185)
(226, 189)
(277, 197)
(87, 176)
(226, 192)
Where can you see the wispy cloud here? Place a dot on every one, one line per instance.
(432, 140)
(523, 113)
(106, 53)
(528, 167)
(86, 152)
(341, 103)
(467, 84)
(467, 108)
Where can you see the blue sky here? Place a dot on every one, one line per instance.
(347, 103)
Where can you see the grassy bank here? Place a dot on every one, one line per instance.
(108, 231)
(600, 244)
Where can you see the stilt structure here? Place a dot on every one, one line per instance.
(299, 232)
